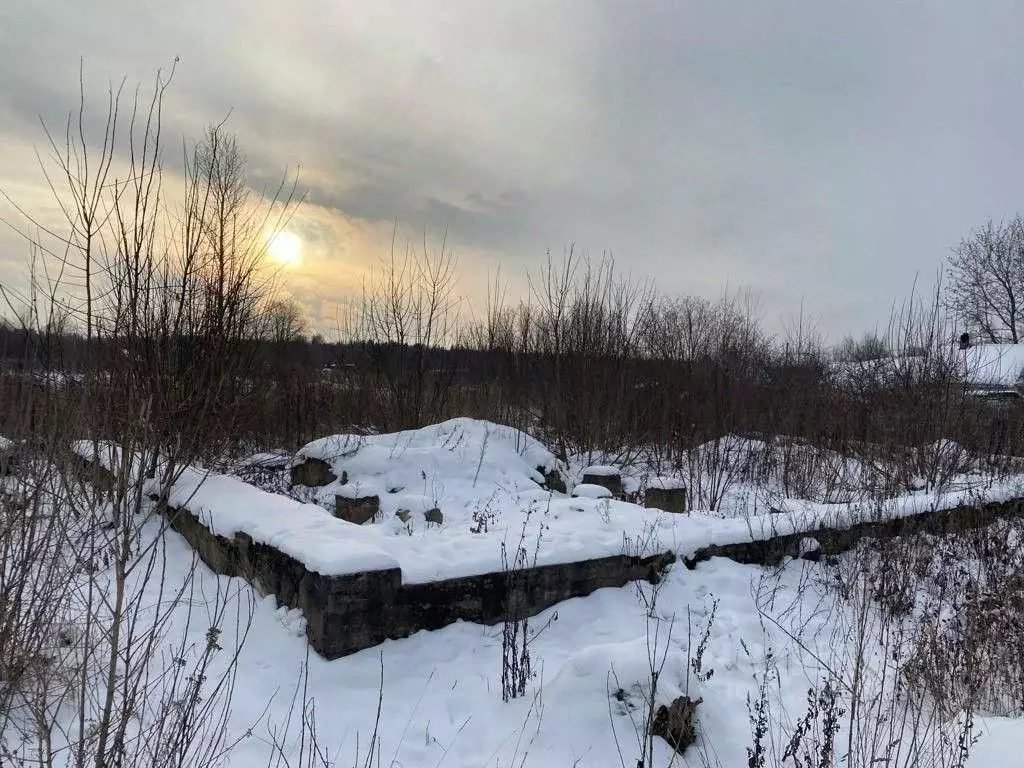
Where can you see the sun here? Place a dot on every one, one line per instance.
(285, 248)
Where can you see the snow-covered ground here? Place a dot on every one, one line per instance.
(440, 700)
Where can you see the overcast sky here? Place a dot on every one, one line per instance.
(815, 152)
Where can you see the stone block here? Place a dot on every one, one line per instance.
(675, 723)
(607, 477)
(434, 516)
(668, 499)
(358, 510)
(553, 480)
(313, 473)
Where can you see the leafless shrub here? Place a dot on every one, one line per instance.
(969, 597)
(104, 660)
(640, 700)
(713, 468)
(812, 740)
(517, 665)
(868, 652)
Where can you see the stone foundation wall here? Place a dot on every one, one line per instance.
(944, 522)
(348, 613)
(345, 614)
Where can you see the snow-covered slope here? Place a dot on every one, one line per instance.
(453, 458)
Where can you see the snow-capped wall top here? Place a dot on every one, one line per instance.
(666, 483)
(306, 532)
(562, 529)
(491, 501)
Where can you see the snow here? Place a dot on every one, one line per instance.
(359, 490)
(266, 460)
(602, 470)
(666, 483)
(228, 506)
(482, 477)
(570, 529)
(442, 699)
(474, 471)
(998, 744)
(983, 366)
(459, 449)
(590, 491)
(109, 453)
(808, 545)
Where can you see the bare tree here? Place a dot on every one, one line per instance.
(987, 287)
(869, 347)
(408, 310)
(285, 320)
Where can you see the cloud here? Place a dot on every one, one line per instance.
(824, 153)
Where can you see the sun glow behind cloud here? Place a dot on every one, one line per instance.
(285, 248)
